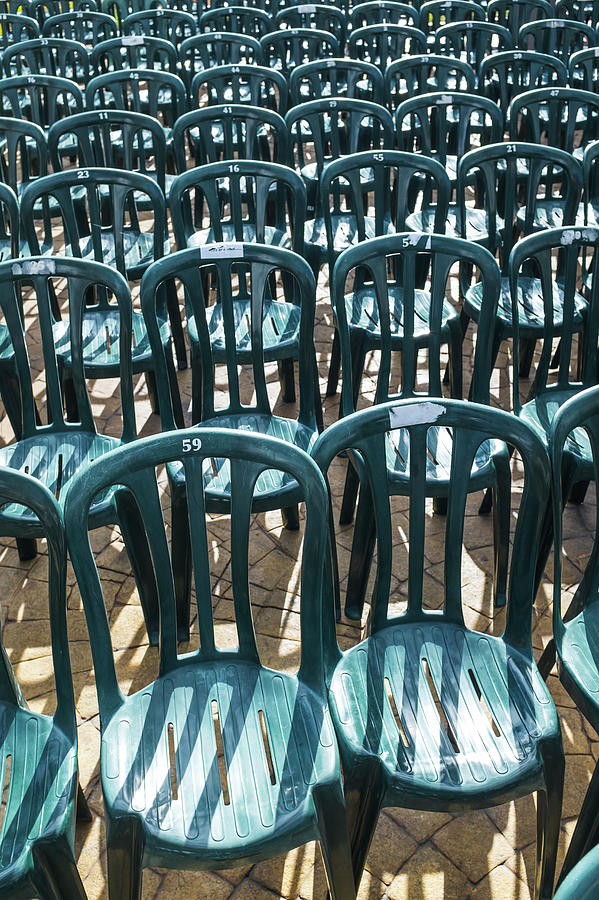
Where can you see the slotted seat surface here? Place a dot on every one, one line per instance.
(345, 230)
(578, 651)
(477, 228)
(280, 322)
(300, 742)
(362, 311)
(439, 443)
(43, 767)
(530, 302)
(540, 412)
(100, 339)
(486, 753)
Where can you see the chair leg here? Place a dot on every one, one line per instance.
(181, 559)
(83, 810)
(10, 391)
(586, 833)
(527, 352)
(287, 379)
(350, 493)
(196, 385)
(152, 392)
(27, 549)
(578, 492)
(134, 537)
(363, 800)
(60, 879)
(361, 555)
(174, 390)
(334, 842)
(174, 315)
(334, 366)
(124, 856)
(549, 810)
(291, 517)
(501, 494)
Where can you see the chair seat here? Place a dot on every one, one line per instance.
(531, 315)
(362, 312)
(261, 807)
(480, 755)
(53, 459)
(539, 414)
(101, 329)
(577, 659)
(43, 785)
(272, 236)
(477, 228)
(281, 322)
(345, 231)
(548, 214)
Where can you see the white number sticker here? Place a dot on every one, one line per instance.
(189, 445)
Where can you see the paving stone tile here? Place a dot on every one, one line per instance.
(428, 875)
(474, 843)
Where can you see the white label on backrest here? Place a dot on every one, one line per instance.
(585, 234)
(415, 414)
(444, 100)
(34, 267)
(132, 40)
(306, 8)
(226, 250)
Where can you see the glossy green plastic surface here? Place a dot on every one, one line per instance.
(43, 99)
(156, 93)
(325, 17)
(373, 12)
(172, 25)
(38, 753)
(240, 83)
(561, 116)
(288, 48)
(502, 76)
(435, 13)
(336, 77)
(88, 28)
(513, 15)
(246, 20)
(429, 714)
(145, 53)
(557, 37)
(217, 49)
(380, 44)
(17, 27)
(583, 881)
(412, 75)
(472, 41)
(47, 56)
(168, 800)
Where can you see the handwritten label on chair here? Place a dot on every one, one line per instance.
(306, 8)
(34, 267)
(132, 40)
(226, 250)
(415, 414)
(444, 100)
(589, 235)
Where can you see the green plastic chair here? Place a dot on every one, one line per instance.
(561, 117)
(100, 221)
(336, 77)
(581, 883)
(391, 308)
(557, 37)
(171, 25)
(134, 51)
(156, 93)
(472, 41)
(246, 20)
(496, 170)
(512, 14)
(377, 12)
(266, 204)
(217, 49)
(10, 248)
(230, 132)
(503, 76)
(86, 26)
(391, 184)
(316, 15)
(413, 75)
(445, 125)
(52, 449)
(48, 56)
(259, 271)
(42, 99)
(381, 44)
(290, 47)
(41, 10)
(24, 152)
(436, 13)
(38, 753)
(280, 779)
(429, 714)
(15, 27)
(575, 429)
(240, 83)
(590, 197)
(586, 11)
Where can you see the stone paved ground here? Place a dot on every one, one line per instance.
(482, 855)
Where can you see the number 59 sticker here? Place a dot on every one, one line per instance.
(190, 444)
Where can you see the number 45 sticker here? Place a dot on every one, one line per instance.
(191, 444)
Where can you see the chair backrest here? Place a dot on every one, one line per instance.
(87, 27)
(15, 27)
(134, 51)
(412, 75)
(558, 37)
(38, 276)
(110, 138)
(564, 117)
(415, 422)
(315, 15)
(24, 152)
(246, 20)
(322, 130)
(252, 268)
(43, 99)
(48, 56)
(284, 50)
(583, 69)
(336, 77)
(381, 44)
(217, 49)
(91, 228)
(159, 94)
(472, 41)
(377, 12)
(586, 11)
(168, 24)
(513, 15)
(248, 132)
(503, 76)
(389, 183)
(26, 491)
(10, 223)
(424, 123)
(240, 83)
(590, 175)
(575, 249)
(15, 7)
(41, 10)
(248, 457)
(496, 172)
(390, 266)
(233, 196)
(435, 13)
